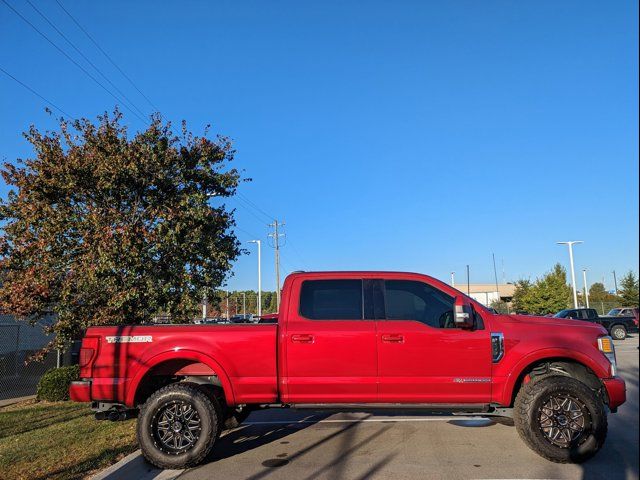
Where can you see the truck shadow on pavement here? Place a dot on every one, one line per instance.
(253, 436)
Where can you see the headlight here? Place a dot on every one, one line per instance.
(605, 344)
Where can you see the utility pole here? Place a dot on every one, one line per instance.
(495, 274)
(586, 287)
(468, 282)
(615, 282)
(453, 279)
(259, 309)
(244, 304)
(276, 245)
(227, 295)
(573, 273)
(204, 308)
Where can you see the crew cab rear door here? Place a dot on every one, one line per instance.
(422, 356)
(329, 350)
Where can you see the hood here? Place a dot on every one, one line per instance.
(557, 322)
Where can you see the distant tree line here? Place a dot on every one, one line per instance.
(551, 293)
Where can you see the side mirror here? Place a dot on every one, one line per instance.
(463, 313)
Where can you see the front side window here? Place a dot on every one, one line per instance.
(411, 300)
(331, 299)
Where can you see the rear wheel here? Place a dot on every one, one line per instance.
(561, 419)
(619, 332)
(178, 426)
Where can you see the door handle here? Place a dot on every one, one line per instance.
(304, 338)
(393, 338)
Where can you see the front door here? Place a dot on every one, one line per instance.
(330, 350)
(422, 356)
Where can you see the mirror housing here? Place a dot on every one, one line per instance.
(463, 313)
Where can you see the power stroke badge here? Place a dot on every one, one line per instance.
(130, 339)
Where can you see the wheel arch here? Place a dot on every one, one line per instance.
(189, 363)
(568, 363)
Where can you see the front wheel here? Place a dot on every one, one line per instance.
(619, 332)
(178, 426)
(561, 419)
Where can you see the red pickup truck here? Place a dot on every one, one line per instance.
(361, 340)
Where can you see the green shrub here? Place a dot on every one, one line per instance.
(54, 384)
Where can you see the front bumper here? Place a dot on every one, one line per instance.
(616, 392)
(80, 391)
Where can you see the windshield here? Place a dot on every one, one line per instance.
(562, 314)
(614, 312)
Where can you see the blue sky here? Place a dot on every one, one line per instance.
(416, 136)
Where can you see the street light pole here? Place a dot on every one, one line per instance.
(244, 305)
(453, 279)
(586, 287)
(573, 273)
(615, 282)
(259, 276)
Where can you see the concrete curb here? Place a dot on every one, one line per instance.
(135, 466)
(11, 401)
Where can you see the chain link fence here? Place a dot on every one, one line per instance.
(18, 341)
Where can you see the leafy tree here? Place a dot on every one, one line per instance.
(597, 292)
(273, 303)
(500, 306)
(629, 291)
(521, 294)
(101, 227)
(548, 294)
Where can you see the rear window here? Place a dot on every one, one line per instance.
(331, 299)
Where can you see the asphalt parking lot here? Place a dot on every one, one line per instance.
(277, 444)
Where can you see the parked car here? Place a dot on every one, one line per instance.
(248, 318)
(623, 312)
(268, 318)
(365, 339)
(618, 327)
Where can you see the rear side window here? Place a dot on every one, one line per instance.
(331, 299)
(411, 300)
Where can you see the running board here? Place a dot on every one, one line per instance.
(431, 407)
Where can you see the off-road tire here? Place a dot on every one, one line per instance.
(529, 402)
(234, 418)
(619, 332)
(208, 411)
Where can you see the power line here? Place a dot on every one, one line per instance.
(248, 209)
(35, 93)
(85, 57)
(70, 59)
(106, 54)
(270, 217)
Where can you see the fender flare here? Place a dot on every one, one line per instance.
(542, 354)
(181, 355)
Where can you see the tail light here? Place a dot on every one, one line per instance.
(88, 354)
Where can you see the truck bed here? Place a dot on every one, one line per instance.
(245, 358)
